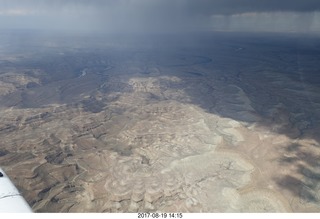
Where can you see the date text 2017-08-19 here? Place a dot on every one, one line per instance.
(160, 215)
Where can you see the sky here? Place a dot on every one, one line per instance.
(161, 15)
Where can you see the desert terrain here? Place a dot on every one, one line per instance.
(218, 122)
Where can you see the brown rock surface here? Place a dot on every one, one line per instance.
(101, 131)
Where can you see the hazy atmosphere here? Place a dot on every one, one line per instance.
(161, 15)
(156, 106)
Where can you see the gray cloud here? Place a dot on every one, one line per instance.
(191, 6)
(158, 15)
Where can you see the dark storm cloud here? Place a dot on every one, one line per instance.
(206, 7)
(144, 15)
(242, 6)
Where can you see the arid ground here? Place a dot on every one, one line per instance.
(217, 122)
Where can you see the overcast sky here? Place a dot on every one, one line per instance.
(161, 15)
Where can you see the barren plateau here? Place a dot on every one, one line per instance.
(212, 123)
